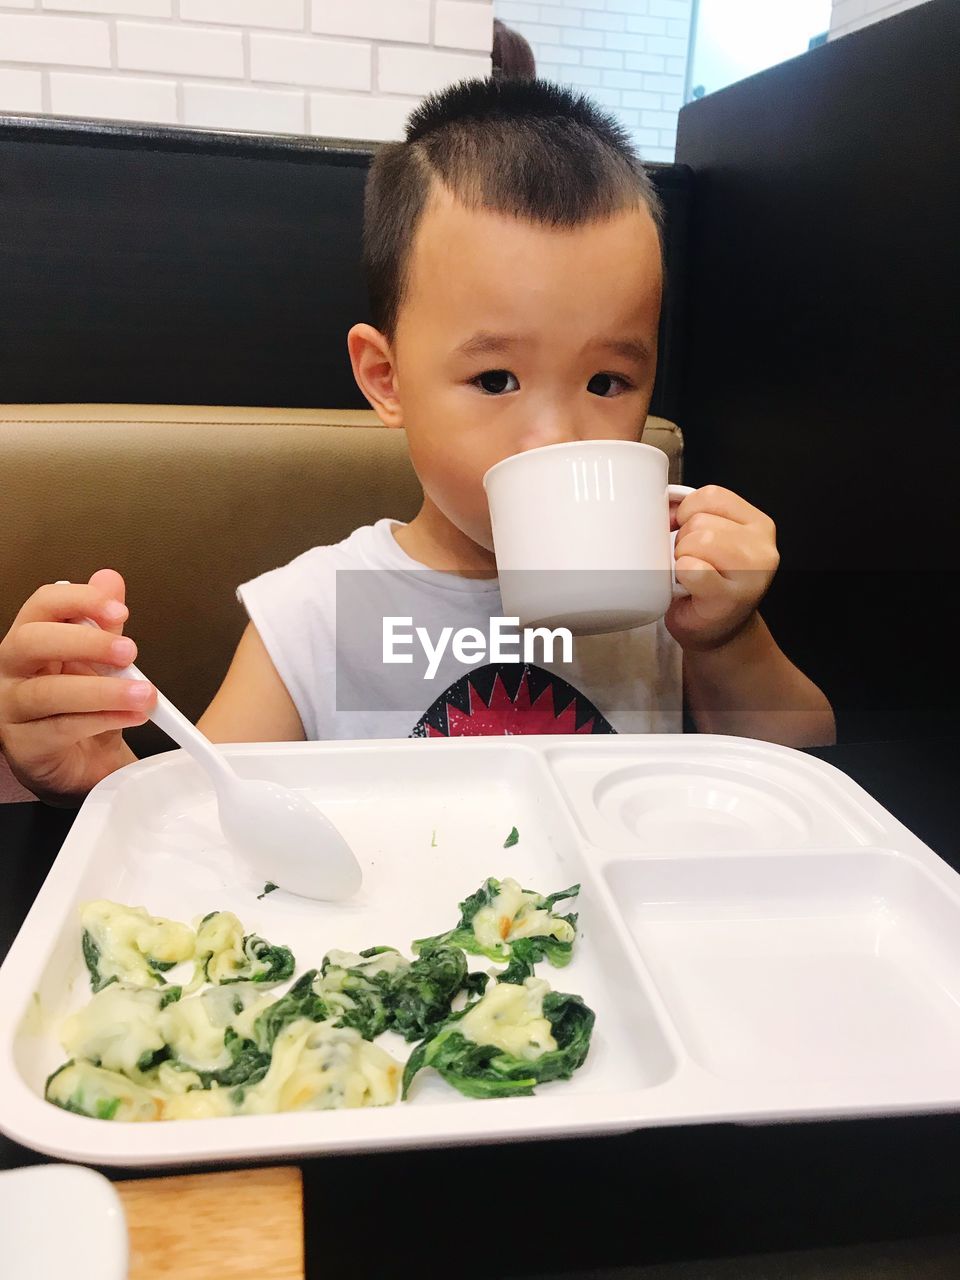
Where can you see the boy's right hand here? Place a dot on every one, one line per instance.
(60, 721)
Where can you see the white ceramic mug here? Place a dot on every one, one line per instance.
(582, 535)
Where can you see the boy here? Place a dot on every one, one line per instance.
(513, 257)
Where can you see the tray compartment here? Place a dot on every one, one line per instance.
(427, 828)
(802, 968)
(693, 807)
(681, 796)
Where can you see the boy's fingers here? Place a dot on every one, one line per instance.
(61, 732)
(112, 586)
(35, 644)
(699, 573)
(722, 544)
(713, 598)
(716, 500)
(66, 602)
(46, 696)
(708, 588)
(110, 582)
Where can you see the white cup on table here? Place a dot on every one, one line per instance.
(582, 535)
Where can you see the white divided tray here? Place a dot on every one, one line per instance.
(759, 938)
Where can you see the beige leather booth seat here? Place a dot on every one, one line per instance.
(188, 502)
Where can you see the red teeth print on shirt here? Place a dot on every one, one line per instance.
(506, 699)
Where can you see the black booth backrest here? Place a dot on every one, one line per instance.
(152, 265)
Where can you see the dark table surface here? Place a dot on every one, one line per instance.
(857, 1199)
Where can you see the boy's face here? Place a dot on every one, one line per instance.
(513, 336)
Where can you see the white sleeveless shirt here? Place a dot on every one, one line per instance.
(334, 669)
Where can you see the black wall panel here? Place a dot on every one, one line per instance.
(146, 264)
(154, 266)
(821, 356)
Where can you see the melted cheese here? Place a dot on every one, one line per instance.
(194, 1040)
(198, 1104)
(194, 1028)
(222, 1006)
(106, 1095)
(515, 914)
(117, 1027)
(219, 948)
(317, 1066)
(346, 968)
(389, 962)
(313, 1065)
(511, 1018)
(330, 990)
(128, 937)
(169, 1080)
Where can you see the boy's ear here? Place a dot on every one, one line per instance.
(373, 368)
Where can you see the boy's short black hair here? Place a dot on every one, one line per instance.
(527, 148)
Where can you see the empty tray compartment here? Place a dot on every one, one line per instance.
(809, 968)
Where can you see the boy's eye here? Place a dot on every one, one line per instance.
(607, 385)
(496, 381)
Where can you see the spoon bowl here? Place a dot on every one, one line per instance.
(279, 834)
(287, 839)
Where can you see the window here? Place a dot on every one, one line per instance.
(733, 39)
(642, 59)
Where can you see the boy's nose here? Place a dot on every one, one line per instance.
(558, 428)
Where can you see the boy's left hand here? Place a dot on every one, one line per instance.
(726, 558)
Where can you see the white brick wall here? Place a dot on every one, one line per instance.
(73, 94)
(335, 68)
(851, 15)
(305, 60)
(630, 56)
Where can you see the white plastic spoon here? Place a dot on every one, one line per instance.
(282, 836)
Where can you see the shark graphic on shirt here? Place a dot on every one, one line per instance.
(509, 698)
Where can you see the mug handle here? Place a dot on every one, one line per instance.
(676, 491)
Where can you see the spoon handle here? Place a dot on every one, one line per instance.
(173, 722)
(176, 725)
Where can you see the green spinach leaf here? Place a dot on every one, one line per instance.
(301, 1001)
(91, 956)
(264, 962)
(420, 997)
(249, 1064)
(355, 994)
(489, 1071)
(500, 909)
